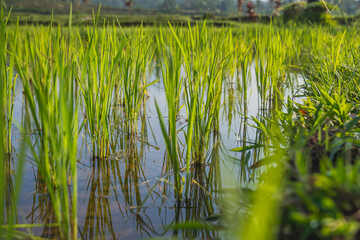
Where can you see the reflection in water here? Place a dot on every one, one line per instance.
(118, 194)
(98, 219)
(203, 194)
(114, 181)
(42, 210)
(9, 208)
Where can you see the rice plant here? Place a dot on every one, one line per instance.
(98, 64)
(135, 73)
(8, 77)
(48, 79)
(172, 84)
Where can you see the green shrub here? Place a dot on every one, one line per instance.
(292, 11)
(316, 12)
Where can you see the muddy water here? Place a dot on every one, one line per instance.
(128, 195)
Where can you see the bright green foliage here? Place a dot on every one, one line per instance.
(2, 114)
(48, 75)
(173, 85)
(8, 78)
(98, 64)
(320, 137)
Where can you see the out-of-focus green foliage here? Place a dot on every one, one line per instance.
(293, 10)
(315, 12)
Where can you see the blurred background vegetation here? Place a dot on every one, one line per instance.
(155, 11)
(215, 6)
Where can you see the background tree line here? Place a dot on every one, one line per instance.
(215, 6)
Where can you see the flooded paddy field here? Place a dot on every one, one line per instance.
(178, 132)
(128, 194)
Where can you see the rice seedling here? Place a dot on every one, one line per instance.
(135, 74)
(48, 81)
(10, 183)
(2, 115)
(8, 78)
(98, 66)
(172, 84)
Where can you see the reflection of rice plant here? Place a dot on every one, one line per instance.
(109, 178)
(42, 208)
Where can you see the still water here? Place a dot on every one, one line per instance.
(128, 195)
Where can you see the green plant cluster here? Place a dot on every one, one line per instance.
(303, 12)
(320, 135)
